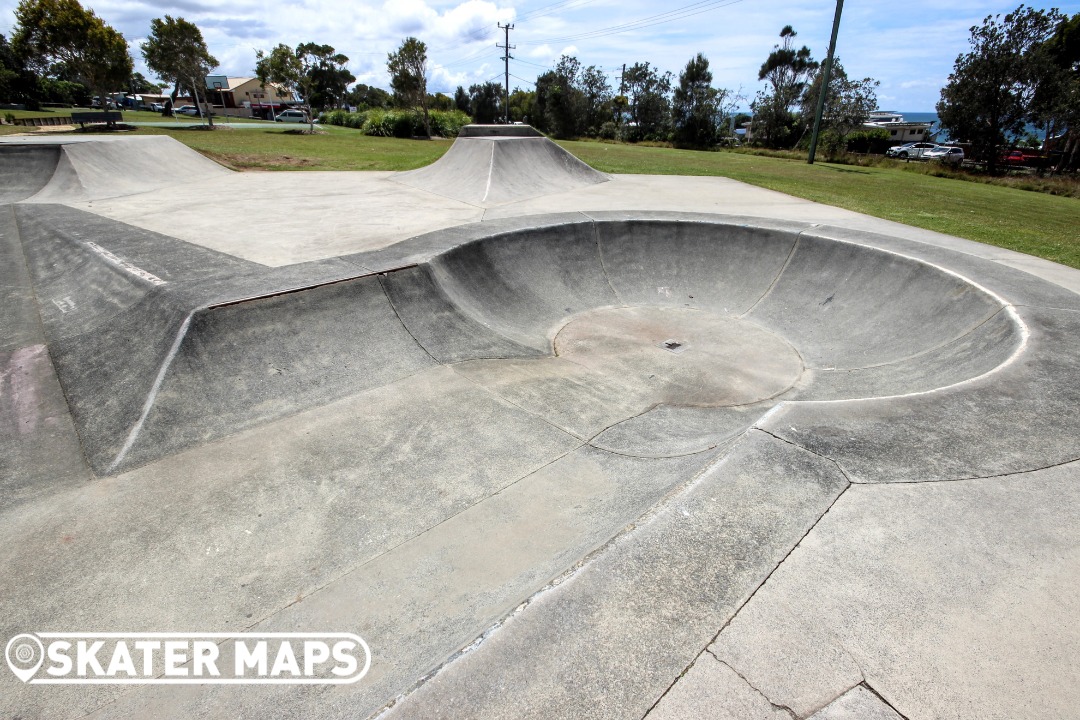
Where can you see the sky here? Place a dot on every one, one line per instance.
(910, 47)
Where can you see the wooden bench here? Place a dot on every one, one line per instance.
(91, 118)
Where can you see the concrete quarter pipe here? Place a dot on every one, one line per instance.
(596, 463)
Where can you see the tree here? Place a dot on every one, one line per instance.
(461, 101)
(848, 105)
(522, 104)
(325, 78)
(1056, 103)
(648, 94)
(140, 84)
(486, 102)
(787, 71)
(992, 86)
(17, 83)
(696, 114)
(594, 87)
(561, 106)
(49, 31)
(408, 75)
(366, 97)
(306, 70)
(176, 52)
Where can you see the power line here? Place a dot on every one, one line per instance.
(553, 8)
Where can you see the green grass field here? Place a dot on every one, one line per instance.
(1039, 224)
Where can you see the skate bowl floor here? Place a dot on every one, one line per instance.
(726, 452)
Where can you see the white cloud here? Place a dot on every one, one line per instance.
(910, 52)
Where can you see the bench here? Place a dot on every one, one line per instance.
(90, 118)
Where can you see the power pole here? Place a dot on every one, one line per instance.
(506, 60)
(825, 76)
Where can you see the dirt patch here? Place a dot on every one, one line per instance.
(239, 161)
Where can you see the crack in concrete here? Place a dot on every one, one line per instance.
(779, 706)
(770, 574)
(999, 476)
(881, 697)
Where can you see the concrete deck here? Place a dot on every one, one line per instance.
(648, 447)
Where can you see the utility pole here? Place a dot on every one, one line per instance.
(825, 76)
(506, 60)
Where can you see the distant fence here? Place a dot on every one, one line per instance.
(42, 121)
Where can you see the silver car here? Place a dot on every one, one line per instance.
(910, 150)
(945, 154)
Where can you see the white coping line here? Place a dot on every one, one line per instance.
(491, 170)
(150, 398)
(125, 265)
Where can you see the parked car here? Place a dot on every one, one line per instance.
(186, 110)
(910, 150)
(1018, 158)
(296, 116)
(945, 154)
(155, 107)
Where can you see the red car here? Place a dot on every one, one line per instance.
(1019, 158)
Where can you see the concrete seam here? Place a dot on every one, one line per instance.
(563, 577)
(880, 697)
(409, 539)
(603, 265)
(496, 395)
(834, 698)
(382, 289)
(768, 290)
(778, 706)
(806, 449)
(1000, 476)
(789, 552)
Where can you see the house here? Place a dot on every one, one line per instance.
(900, 131)
(247, 92)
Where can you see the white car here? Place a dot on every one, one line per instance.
(945, 154)
(156, 107)
(186, 110)
(295, 116)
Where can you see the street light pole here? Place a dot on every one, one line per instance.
(825, 76)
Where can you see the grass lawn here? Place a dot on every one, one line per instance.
(1039, 224)
(1030, 222)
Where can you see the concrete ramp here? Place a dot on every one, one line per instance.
(25, 169)
(95, 168)
(492, 169)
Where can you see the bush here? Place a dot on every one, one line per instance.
(397, 123)
(869, 141)
(608, 131)
(447, 123)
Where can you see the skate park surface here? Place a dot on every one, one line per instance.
(554, 443)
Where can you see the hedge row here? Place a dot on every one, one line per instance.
(398, 123)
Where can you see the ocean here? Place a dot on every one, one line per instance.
(943, 137)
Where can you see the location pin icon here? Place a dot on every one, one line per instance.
(25, 654)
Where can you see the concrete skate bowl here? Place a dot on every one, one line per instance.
(646, 338)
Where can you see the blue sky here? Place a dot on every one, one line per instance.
(909, 47)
